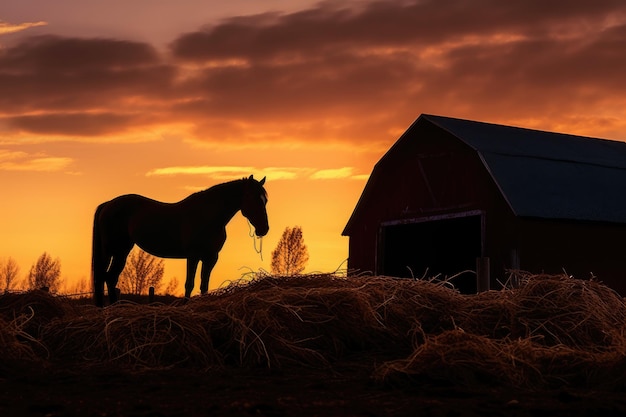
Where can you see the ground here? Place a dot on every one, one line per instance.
(295, 392)
(320, 346)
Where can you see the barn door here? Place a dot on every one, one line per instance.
(438, 246)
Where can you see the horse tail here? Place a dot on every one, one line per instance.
(98, 267)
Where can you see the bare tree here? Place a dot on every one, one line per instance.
(172, 286)
(82, 286)
(9, 271)
(142, 271)
(291, 255)
(46, 272)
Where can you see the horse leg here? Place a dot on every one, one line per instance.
(205, 273)
(99, 278)
(192, 266)
(98, 292)
(113, 275)
(100, 259)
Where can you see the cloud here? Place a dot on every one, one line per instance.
(281, 173)
(230, 172)
(355, 74)
(73, 123)
(22, 161)
(6, 27)
(199, 170)
(366, 71)
(55, 54)
(272, 173)
(332, 174)
(49, 77)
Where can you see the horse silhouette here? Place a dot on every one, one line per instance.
(192, 229)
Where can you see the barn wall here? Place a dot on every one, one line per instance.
(428, 173)
(362, 251)
(581, 249)
(502, 241)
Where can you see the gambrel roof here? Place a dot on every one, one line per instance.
(549, 175)
(542, 174)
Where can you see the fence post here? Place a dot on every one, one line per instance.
(151, 295)
(515, 268)
(482, 274)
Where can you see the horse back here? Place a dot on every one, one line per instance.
(169, 230)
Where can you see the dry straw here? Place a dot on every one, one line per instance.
(551, 330)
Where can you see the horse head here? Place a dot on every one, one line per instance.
(253, 205)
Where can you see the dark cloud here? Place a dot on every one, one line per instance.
(386, 62)
(384, 24)
(57, 54)
(349, 72)
(75, 124)
(52, 74)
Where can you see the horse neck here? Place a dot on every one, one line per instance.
(226, 199)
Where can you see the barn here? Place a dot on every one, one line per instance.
(452, 196)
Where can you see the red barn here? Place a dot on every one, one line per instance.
(450, 191)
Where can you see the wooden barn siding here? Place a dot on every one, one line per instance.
(428, 175)
(578, 248)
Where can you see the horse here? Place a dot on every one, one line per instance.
(193, 229)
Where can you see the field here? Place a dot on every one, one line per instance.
(320, 345)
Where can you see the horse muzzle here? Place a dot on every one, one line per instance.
(261, 230)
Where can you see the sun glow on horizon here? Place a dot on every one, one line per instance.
(307, 94)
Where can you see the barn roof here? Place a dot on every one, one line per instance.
(544, 174)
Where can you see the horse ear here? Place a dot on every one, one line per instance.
(262, 181)
(250, 177)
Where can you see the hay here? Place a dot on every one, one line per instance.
(559, 310)
(23, 316)
(453, 355)
(552, 330)
(14, 349)
(577, 313)
(40, 307)
(133, 335)
(306, 320)
(460, 358)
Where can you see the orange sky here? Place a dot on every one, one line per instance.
(110, 97)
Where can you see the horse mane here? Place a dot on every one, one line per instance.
(212, 189)
(216, 187)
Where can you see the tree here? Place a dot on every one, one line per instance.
(8, 274)
(142, 271)
(172, 286)
(291, 255)
(82, 286)
(46, 272)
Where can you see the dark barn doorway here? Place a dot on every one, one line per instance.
(442, 247)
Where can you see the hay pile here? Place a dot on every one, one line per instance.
(22, 319)
(553, 330)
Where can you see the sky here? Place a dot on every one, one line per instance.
(162, 98)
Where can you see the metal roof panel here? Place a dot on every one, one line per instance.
(549, 175)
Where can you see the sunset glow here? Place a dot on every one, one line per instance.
(307, 94)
